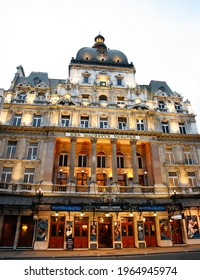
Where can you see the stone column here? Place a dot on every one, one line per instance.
(48, 161)
(93, 161)
(134, 162)
(17, 232)
(72, 161)
(156, 166)
(114, 161)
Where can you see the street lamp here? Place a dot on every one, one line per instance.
(39, 193)
(145, 178)
(82, 176)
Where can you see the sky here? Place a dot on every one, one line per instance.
(160, 37)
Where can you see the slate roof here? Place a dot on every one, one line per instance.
(160, 85)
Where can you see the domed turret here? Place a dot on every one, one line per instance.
(99, 54)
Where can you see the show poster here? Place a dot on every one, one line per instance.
(42, 229)
(164, 229)
(192, 227)
(93, 231)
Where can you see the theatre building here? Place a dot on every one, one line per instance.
(96, 160)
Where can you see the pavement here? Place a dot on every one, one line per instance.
(57, 253)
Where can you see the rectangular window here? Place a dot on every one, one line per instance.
(63, 158)
(6, 175)
(82, 179)
(122, 123)
(82, 160)
(101, 161)
(140, 124)
(65, 120)
(37, 120)
(165, 127)
(187, 157)
(11, 149)
(182, 128)
(169, 156)
(119, 82)
(103, 123)
(192, 179)
(173, 179)
(86, 80)
(29, 175)
(101, 180)
(32, 150)
(121, 179)
(84, 121)
(17, 119)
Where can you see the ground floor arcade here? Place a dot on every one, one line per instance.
(106, 226)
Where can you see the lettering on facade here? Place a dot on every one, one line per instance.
(95, 135)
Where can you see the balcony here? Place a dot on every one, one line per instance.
(95, 190)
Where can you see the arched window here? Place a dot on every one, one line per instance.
(101, 160)
(139, 158)
(63, 158)
(82, 159)
(120, 160)
(103, 97)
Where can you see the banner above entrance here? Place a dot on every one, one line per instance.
(106, 136)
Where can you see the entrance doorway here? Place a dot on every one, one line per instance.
(9, 230)
(176, 232)
(127, 232)
(105, 232)
(80, 232)
(26, 232)
(57, 232)
(150, 232)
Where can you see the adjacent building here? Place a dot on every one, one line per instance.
(96, 160)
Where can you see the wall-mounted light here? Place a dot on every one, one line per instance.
(107, 214)
(131, 214)
(56, 214)
(81, 214)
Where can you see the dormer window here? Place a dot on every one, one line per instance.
(102, 83)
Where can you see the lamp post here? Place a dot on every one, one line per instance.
(82, 177)
(145, 178)
(39, 194)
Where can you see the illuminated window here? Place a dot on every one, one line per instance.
(173, 179)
